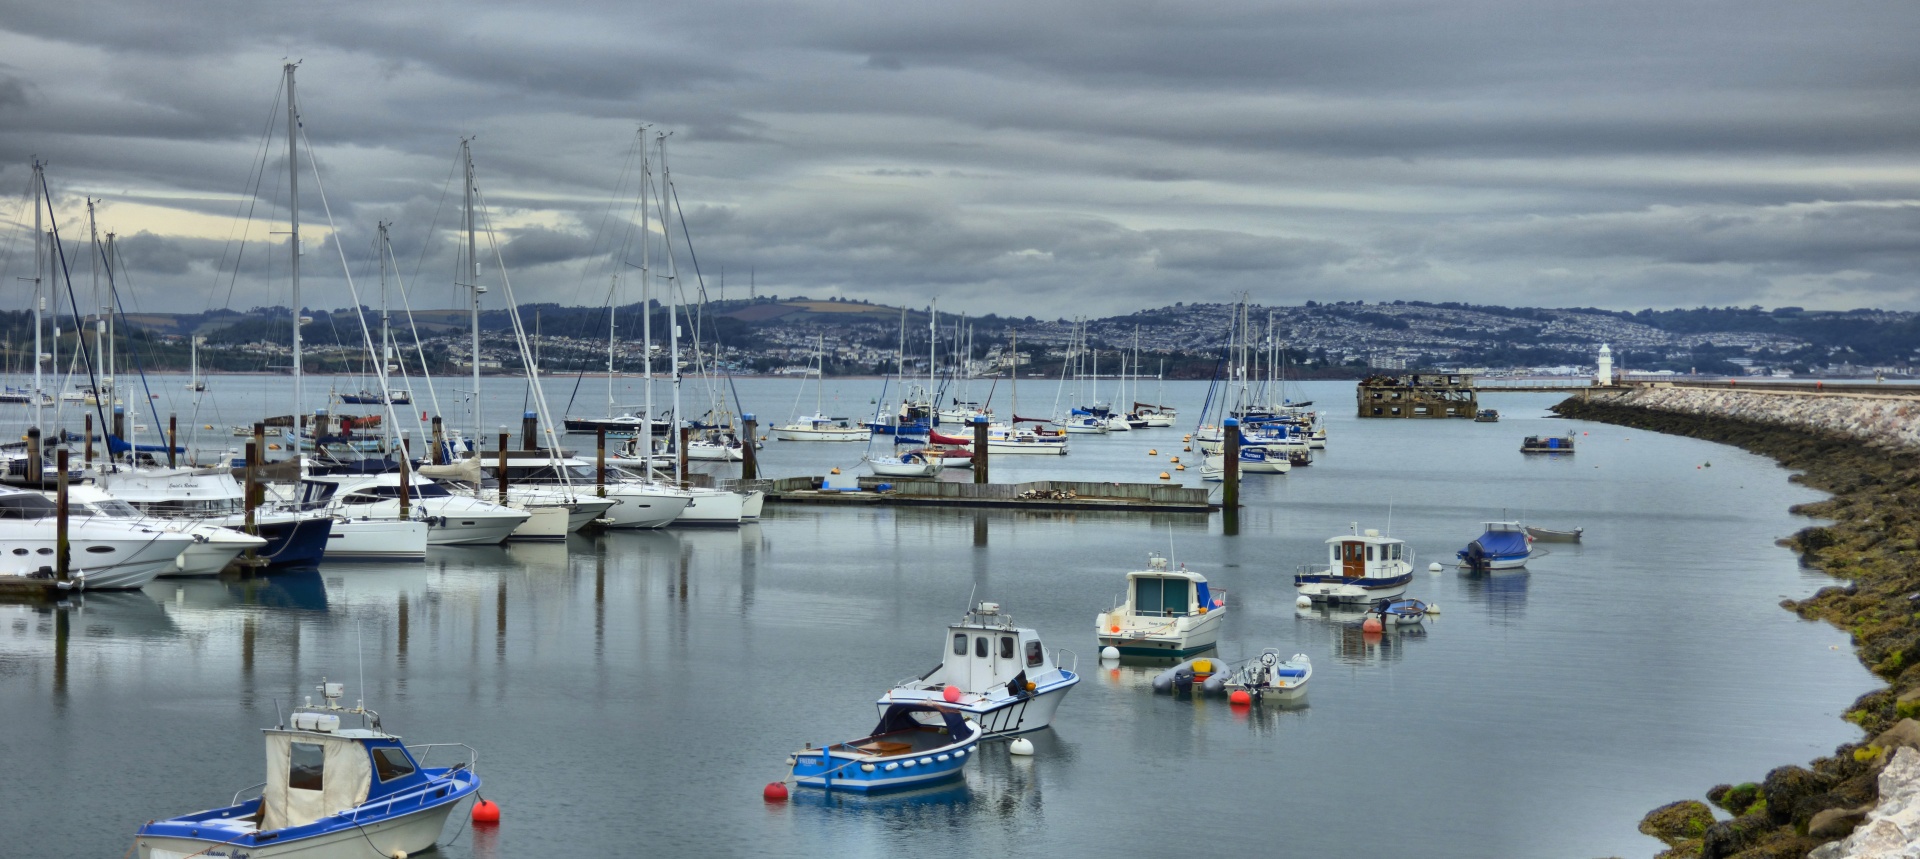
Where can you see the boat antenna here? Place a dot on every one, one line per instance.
(1389, 516)
(973, 590)
(1170, 560)
(360, 651)
(279, 721)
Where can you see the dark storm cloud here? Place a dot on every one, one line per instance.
(1070, 157)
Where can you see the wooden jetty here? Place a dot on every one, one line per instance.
(1032, 495)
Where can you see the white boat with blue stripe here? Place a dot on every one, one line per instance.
(1362, 567)
(1165, 613)
(914, 745)
(999, 675)
(330, 793)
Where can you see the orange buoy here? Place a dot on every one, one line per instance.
(1152, 452)
(1114, 628)
(1371, 624)
(1240, 697)
(835, 471)
(485, 811)
(1179, 468)
(1165, 476)
(774, 792)
(1188, 448)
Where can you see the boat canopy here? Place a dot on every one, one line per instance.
(312, 775)
(1499, 542)
(899, 717)
(1169, 594)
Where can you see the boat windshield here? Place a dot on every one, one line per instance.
(26, 505)
(111, 507)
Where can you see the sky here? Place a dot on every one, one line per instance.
(1024, 158)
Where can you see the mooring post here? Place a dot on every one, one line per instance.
(600, 461)
(256, 458)
(980, 448)
(86, 457)
(406, 480)
(61, 555)
(501, 477)
(119, 428)
(1230, 477)
(173, 440)
(529, 430)
(434, 457)
(34, 463)
(749, 458)
(320, 425)
(686, 432)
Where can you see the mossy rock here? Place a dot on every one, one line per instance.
(1678, 821)
(1736, 799)
(1729, 837)
(1686, 849)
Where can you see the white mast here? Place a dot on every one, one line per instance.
(293, 209)
(613, 310)
(646, 291)
(473, 271)
(386, 332)
(933, 347)
(39, 294)
(673, 300)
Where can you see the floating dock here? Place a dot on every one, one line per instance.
(1032, 495)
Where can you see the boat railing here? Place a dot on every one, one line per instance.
(258, 789)
(1057, 661)
(417, 798)
(423, 751)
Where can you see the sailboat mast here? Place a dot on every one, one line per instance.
(933, 347)
(673, 299)
(646, 285)
(386, 332)
(473, 271)
(1014, 335)
(39, 295)
(293, 230)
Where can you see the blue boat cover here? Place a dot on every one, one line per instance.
(899, 717)
(1503, 544)
(116, 444)
(1553, 444)
(1206, 598)
(1079, 411)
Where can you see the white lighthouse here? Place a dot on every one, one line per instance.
(1603, 376)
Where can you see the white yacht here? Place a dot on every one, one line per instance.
(104, 553)
(819, 427)
(639, 503)
(213, 546)
(212, 496)
(452, 520)
(998, 674)
(1165, 613)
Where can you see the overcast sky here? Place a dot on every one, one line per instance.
(1045, 158)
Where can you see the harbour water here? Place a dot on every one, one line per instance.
(634, 691)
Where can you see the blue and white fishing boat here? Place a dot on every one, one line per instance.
(1501, 546)
(330, 792)
(1362, 567)
(914, 745)
(999, 675)
(1401, 612)
(1270, 676)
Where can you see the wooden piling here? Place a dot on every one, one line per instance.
(980, 449)
(501, 478)
(600, 461)
(749, 456)
(63, 554)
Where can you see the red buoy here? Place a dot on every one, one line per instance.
(775, 792)
(1371, 624)
(1240, 697)
(485, 811)
(951, 694)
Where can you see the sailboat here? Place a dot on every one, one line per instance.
(818, 426)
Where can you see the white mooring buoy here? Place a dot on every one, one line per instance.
(1021, 746)
(1434, 567)
(1303, 601)
(1109, 652)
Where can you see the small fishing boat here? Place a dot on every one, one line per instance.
(1547, 444)
(1269, 676)
(913, 463)
(998, 674)
(1487, 416)
(399, 397)
(1551, 535)
(1165, 613)
(330, 792)
(1402, 612)
(819, 427)
(1500, 546)
(914, 745)
(1362, 567)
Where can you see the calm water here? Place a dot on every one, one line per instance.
(639, 689)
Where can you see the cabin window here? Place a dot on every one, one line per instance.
(306, 768)
(1369, 553)
(1035, 655)
(1395, 548)
(1335, 552)
(391, 763)
(980, 646)
(960, 645)
(1006, 647)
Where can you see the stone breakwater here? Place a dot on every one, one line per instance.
(1861, 451)
(1883, 421)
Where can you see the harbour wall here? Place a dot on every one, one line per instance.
(1863, 449)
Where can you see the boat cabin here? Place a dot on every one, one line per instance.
(1366, 555)
(985, 650)
(1160, 592)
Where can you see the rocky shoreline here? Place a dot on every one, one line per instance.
(1861, 453)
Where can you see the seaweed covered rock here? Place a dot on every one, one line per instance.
(1678, 821)
(1904, 734)
(1836, 822)
(1785, 788)
(1735, 798)
(1729, 837)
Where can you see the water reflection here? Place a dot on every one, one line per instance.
(1503, 592)
(1350, 643)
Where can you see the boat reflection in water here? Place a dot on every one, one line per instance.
(1352, 644)
(1503, 592)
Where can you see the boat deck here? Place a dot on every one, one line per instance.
(897, 743)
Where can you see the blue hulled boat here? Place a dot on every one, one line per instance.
(914, 745)
(330, 792)
(1502, 546)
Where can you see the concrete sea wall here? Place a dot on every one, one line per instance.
(1891, 421)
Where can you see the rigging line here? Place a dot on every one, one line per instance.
(250, 202)
(66, 271)
(431, 227)
(113, 295)
(545, 415)
(392, 422)
(406, 304)
(18, 222)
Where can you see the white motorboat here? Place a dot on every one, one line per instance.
(1270, 676)
(211, 496)
(638, 502)
(998, 674)
(1082, 425)
(104, 553)
(452, 520)
(909, 464)
(212, 549)
(720, 506)
(1500, 546)
(332, 792)
(1362, 567)
(377, 539)
(1164, 613)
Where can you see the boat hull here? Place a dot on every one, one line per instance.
(377, 539)
(1003, 717)
(644, 507)
(1199, 636)
(410, 832)
(544, 522)
(1324, 588)
(850, 434)
(713, 507)
(841, 771)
